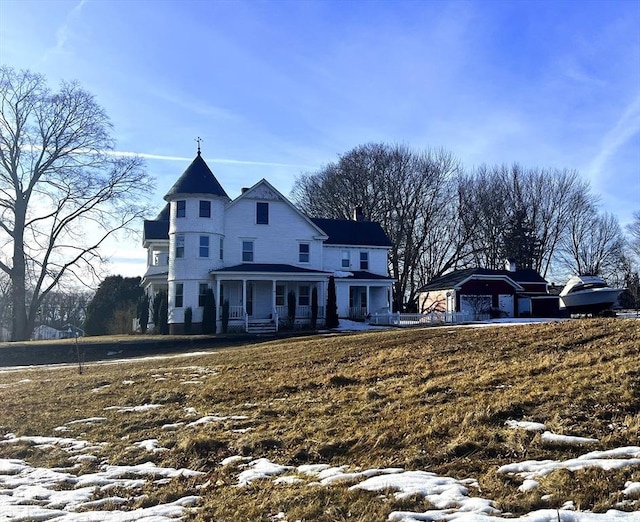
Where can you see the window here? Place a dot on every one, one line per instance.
(303, 295)
(205, 209)
(364, 260)
(179, 295)
(345, 259)
(247, 251)
(202, 293)
(181, 208)
(262, 213)
(279, 295)
(179, 246)
(303, 252)
(204, 246)
(221, 248)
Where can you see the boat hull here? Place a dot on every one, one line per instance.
(590, 301)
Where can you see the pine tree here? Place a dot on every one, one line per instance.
(332, 320)
(209, 313)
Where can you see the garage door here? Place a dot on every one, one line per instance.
(505, 303)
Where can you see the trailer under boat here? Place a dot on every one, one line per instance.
(588, 295)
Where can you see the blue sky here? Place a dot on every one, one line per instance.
(276, 88)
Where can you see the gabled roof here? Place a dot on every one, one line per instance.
(197, 179)
(347, 232)
(263, 190)
(454, 279)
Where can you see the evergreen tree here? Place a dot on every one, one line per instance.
(332, 320)
(314, 308)
(157, 305)
(209, 313)
(164, 314)
(225, 316)
(188, 320)
(291, 308)
(116, 294)
(519, 242)
(143, 313)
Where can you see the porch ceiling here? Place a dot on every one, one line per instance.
(269, 271)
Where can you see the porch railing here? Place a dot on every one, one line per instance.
(302, 312)
(236, 312)
(434, 318)
(357, 312)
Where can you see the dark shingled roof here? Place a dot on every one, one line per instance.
(267, 267)
(197, 179)
(346, 232)
(156, 229)
(363, 274)
(447, 281)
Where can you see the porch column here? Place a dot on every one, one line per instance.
(273, 296)
(368, 299)
(244, 296)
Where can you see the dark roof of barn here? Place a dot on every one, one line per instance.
(197, 179)
(452, 279)
(347, 232)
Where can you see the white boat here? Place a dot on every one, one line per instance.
(588, 294)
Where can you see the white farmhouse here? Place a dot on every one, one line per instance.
(253, 251)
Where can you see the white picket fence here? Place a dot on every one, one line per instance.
(434, 318)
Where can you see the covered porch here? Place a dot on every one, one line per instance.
(258, 295)
(362, 294)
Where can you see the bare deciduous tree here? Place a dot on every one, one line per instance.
(62, 193)
(633, 229)
(410, 194)
(594, 244)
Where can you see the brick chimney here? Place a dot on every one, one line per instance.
(358, 214)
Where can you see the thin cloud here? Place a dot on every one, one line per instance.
(227, 161)
(63, 32)
(627, 126)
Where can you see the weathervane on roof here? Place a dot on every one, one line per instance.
(198, 139)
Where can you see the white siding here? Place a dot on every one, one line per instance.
(377, 258)
(277, 242)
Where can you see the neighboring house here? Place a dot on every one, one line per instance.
(46, 333)
(253, 251)
(511, 293)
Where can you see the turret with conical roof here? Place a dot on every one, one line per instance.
(197, 179)
(196, 233)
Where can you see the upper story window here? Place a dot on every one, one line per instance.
(205, 209)
(221, 248)
(179, 295)
(247, 251)
(364, 260)
(346, 262)
(181, 208)
(303, 252)
(262, 213)
(179, 246)
(204, 246)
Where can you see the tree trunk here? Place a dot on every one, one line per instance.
(19, 330)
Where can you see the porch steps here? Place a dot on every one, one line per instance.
(261, 326)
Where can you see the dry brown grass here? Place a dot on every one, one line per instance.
(430, 399)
